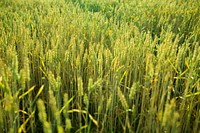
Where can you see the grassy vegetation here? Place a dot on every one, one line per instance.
(99, 66)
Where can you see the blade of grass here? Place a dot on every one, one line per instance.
(22, 127)
(66, 104)
(39, 92)
(85, 112)
(27, 92)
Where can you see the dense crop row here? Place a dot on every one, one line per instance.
(99, 66)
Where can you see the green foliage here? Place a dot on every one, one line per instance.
(99, 66)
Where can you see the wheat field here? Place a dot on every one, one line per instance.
(99, 66)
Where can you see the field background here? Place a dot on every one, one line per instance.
(100, 66)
